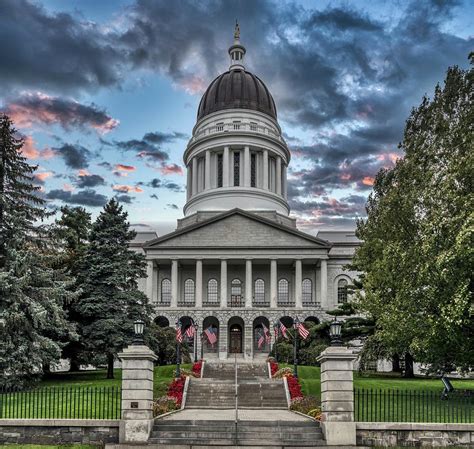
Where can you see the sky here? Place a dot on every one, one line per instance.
(105, 93)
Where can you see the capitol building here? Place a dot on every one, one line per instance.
(237, 262)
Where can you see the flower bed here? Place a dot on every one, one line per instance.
(273, 368)
(197, 367)
(294, 387)
(176, 389)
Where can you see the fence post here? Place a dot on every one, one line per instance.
(337, 397)
(137, 394)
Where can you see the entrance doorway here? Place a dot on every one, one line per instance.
(235, 346)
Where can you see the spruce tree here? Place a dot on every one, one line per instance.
(33, 288)
(110, 301)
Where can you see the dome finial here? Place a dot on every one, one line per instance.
(237, 51)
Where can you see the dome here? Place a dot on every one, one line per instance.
(237, 89)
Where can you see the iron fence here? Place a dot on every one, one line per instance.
(61, 403)
(372, 405)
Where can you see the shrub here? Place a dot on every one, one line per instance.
(306, 405)
(284, 372)
(164, 404)
(315, 413)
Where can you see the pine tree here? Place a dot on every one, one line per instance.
(33, 288)
(111, 301)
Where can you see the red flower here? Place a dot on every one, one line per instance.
(294, 387)
(176, 389)
(273, 368)
(197, 368)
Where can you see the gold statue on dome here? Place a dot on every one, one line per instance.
(237, 31)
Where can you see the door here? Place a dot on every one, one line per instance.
(235, 339)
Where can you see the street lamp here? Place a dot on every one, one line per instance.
(195, 341)
(178, 354)
(275, 331)
(295, 348)
(138, 327)
(335, 332)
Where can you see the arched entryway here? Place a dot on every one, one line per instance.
(162, 321)
(210, 329)
(261, 335)
(236, 335)
(186, 322)
(287, 321)
(311, 320)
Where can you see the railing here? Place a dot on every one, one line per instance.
(237, 302)
(286, 303)
(413, 406)
(163, 303)
(183, 303)
(62, 403)
(264, 303)
(311, 303)
(211, 303)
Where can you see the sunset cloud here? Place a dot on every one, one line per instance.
(40, 178)
(126, 188)
(170, 169)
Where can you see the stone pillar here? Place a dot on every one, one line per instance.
(195, 176)
(207, 171)
(324, 284)
(174, 283)
(273, 283)
(248, 283)
(222, 343)
(225, 168)
(137, 394)
(265, 169)
(337, 397)
(247, 167)
(199, 283)
(298, 283)
(284, 181)
(278, 175)
(151, 281)
(223, 283)
(248, 340)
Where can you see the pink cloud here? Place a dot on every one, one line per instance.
(193, 84)
(126, 168)
(368, 181)
(68, 187)
(83, 172)
(126, 188)
(170, 169)
(29, 149)
(41, 177)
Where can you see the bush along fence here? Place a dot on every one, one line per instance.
(61, 403)
(373, 405)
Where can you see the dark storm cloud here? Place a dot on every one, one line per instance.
(157, 183)
(74, 155)
(87, 197)
(127, 199)
(160, 138)
(90, 181)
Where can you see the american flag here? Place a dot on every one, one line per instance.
(268, 337)
(190, 331)
(283, 330)
(261, 340)
(179, 333)
(301, 329)
(275, 330)
(211, 336)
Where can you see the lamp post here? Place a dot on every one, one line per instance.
(202, 345)
(295, 349)
(178, 354)
(275, 331)
(195, 341)
(138, 327)
(335, 332)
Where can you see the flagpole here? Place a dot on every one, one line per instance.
(295, 350)
(178, 355)
(195, 342)
(275, 331)
(202, 345)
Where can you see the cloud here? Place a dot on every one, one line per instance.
(159, 138)
(86, 180)
(154, 196)
(157, 183)
(87, 197)
(170, 169)
(40, 178)
(75, 156)
(126, 168)
(126, 188)
(33, 108)
(127, 199)
(29, 149)
(172, 206)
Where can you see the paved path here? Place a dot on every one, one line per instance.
(229, 415)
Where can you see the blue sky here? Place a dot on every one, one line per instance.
(106, 93)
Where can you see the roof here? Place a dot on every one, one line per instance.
(237, 89)
(343, 236)
(143, 237)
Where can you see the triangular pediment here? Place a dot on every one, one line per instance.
(236, 229)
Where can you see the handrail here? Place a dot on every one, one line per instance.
(236, 399)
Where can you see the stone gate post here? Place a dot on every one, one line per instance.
(137, 394)
(337, 396)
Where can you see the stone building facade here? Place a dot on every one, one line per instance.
(237, 262)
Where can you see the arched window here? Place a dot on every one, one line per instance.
(307, 291)
(342, 291)
(212, 296)
(259, 293)
(236, 293)
(283, 291)
(189, 291)
(166, 291)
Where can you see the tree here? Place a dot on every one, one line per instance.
(72, 230)
(33, 287)
(417, 252)
(162, 341)
(108, 276)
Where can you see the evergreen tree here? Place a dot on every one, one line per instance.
(110, 301)
(33, 288)
(417, 255)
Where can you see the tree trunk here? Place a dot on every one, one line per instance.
(409, 372)
(396, 364)
(74, 365)
(110, 366)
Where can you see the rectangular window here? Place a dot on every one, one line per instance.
(236, 125)
(253, 170)
(219, 170)
(253, 126)
(220, 127)
(237, 168)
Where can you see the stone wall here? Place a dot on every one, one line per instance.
(414, 434)
(58, 431)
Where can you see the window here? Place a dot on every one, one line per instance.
(236, 293)
(259, 293)
(219, 170)
(236, 125)
(253, 126)
(342, 291)
(220, 127)
(236, 168)
(189, 291)
(212, 296)
(283, 291)
(253, 170)
(307, 291)
(166, 291)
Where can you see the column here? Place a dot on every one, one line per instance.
(223, 283)
(337, 398)
(248, 283)
(195, 176)
(222, 343)
(298, 283)
(265, 169)
(198, 283)
(174, 283)
(225, 168)
(189, 182)
(207, 174)
(285, 182)
(273, 283)
(137, 394)
(151, 281)
(324, 285)
(248, 340)
(247, 167)
(278, 175)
